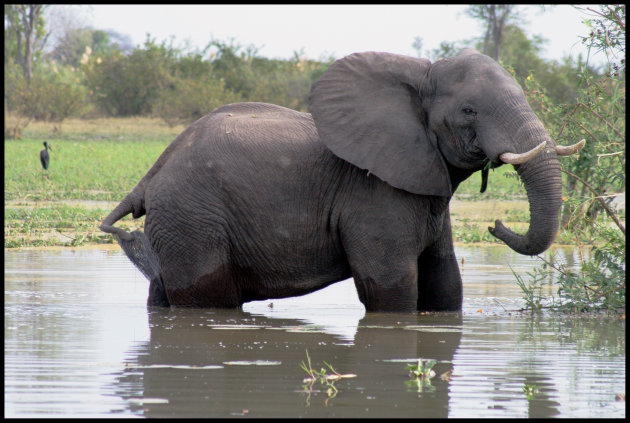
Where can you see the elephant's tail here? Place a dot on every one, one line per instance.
(139, 251)
(123, 209)
(136, 245)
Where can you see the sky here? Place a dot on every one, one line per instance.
(320, 31)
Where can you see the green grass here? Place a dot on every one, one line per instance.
(86, 170)
(503, 184)
(101, 159)
(33, 224)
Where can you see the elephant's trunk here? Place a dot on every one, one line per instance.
(543, 182)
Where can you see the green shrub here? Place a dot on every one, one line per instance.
(593, 178)
(128, 85)
(186, 100)
(53, 94)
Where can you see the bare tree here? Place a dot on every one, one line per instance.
(24, 29)
(495, 17)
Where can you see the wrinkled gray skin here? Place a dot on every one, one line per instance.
(256, 201)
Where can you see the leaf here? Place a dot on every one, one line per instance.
(429, 365)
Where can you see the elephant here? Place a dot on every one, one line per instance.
(256, 201)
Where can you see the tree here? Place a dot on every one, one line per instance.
(25, 35)
(129, 85)
(417, 45)
(608, 33)
(495, 17)
(24, 40)
(521, 53)
(599, 115)
(446, 49)
(72, 45)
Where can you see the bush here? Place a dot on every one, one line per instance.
(597, 286)
(186, 100)
(59, 94)
(593, 178)
(16, 101)
(129, 85)
(283, 82)
(53, 94)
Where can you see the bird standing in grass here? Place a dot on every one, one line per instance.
(44, 157)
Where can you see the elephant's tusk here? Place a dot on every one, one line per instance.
(570, 149)
(514, 158)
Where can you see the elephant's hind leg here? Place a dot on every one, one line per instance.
(199, 281)
(157, 293)
(217, 288)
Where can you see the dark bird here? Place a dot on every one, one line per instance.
(44, 157)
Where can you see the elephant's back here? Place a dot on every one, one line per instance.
(246, 135)
(257, 123)
(242, 148)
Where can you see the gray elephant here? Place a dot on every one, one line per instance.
(256, 201)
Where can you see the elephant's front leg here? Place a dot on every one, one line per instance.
(385, 273)
(394, 291)
(439, 281)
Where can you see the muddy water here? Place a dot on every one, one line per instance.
(79, 342)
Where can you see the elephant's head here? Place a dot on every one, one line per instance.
(425, 127)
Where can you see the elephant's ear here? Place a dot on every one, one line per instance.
(366, 108)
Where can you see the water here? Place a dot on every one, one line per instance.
(79, 342)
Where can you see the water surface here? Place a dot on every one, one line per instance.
(80, 342)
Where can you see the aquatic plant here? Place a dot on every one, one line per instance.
(422, 370)
(421, 374)
(598, 285)
(530, 391)
(321, 376)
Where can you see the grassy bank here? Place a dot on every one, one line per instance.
(95, 163)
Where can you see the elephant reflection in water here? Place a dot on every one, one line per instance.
(190, 338)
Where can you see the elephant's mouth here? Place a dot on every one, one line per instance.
(464, 152)
(475, 152)
(475, 157)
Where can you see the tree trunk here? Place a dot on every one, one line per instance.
(27, 36)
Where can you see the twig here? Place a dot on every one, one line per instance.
(561, 269)
(610, 154)
(497, 301)
(603, 120)
(567, 121)
(601, 201)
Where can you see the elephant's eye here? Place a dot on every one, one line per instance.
(469, 111)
